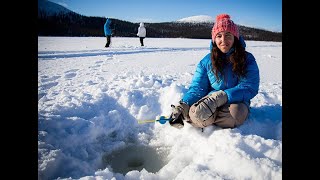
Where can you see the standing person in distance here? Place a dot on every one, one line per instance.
(223, 84)
(141, 33)
(107, 32)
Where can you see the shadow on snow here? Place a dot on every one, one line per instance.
(75, 54)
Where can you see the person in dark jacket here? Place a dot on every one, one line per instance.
(107, 32)
(223, 84)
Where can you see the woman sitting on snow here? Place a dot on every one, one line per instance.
(224, 82)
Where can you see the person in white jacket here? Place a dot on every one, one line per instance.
(141, 33)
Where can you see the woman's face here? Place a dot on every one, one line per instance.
(224, 41)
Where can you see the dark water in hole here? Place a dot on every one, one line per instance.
(136, 157)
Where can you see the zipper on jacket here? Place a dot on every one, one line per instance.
(226, 79)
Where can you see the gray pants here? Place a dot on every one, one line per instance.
(226, 116)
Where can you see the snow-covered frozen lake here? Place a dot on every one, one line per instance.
(90, 99)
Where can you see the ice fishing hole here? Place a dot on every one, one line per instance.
(136, 157)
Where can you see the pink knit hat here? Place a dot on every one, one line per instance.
(224, 23)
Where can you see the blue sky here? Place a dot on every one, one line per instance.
(266, 14)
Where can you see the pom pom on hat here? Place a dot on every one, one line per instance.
(224, 23)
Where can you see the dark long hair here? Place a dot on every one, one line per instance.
(237, 59)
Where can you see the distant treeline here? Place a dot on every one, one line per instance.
(73, 24)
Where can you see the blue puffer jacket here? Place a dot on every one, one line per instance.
(107, 30)
(238, 89)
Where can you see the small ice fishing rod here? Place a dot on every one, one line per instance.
(161, 120)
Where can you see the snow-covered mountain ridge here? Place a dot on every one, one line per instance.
(197, 19)
(51, 8)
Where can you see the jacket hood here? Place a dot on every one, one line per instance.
(141, 24)
(108, 21)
